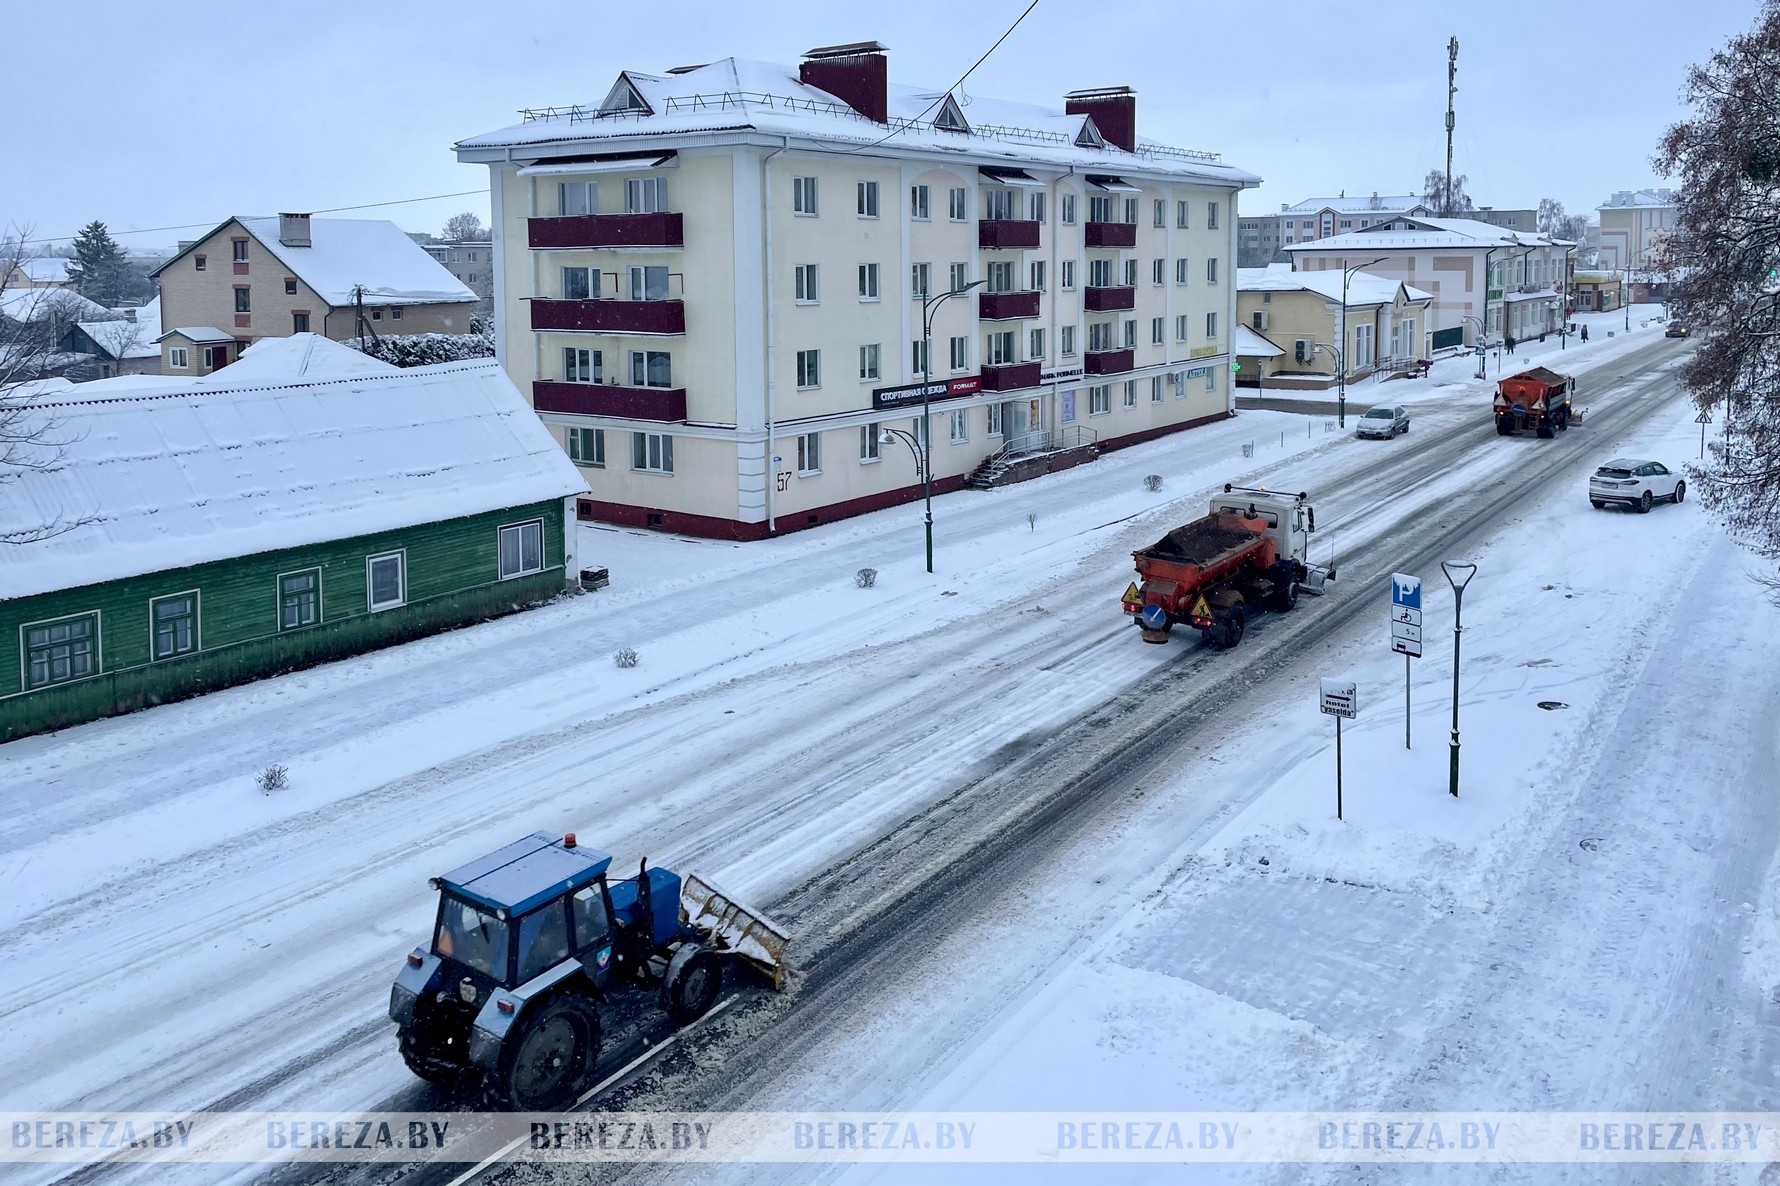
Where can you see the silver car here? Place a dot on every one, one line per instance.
(1385, 421)
(1628, 482)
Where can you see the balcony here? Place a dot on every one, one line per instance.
(1111, 234)
(666, 404)
(607, 230)
(1108, 362)
(1007, 233)
(1109, 298)
(610, 317)
(1012, 377)
(1007, 306)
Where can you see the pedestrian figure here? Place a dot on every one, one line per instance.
(1585, 333)
(1509, 343)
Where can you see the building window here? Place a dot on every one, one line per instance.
(1131, 211)
(1000, 349)
(198, 263)
(376, 314)
(868, 361)
(176, 358)
(960, 426)
(1156, 390)
(1100, 274)
(868, 443)
(1180, 270)
(1158, 271)
(918, 203)
(1347, 224)
(1037, 274)
(1099, 400)
(868, 282)
(577, 197)
(1000, 277)
(919, 431)
(1180, 328)
(173, 624)
(1211, 378)
(1035, 206)
(1099, 336)
(61, 651)
(1160, 214)
(1066, 273)
(646, 284)
(1000, 204)
(809, 369)
(1211, 271)
(1130, 393)
(290, 287)
(1130, 335)
(1131, 273)
(299, 599)
(299, 323)
(652, 452)
(805, 275)
(994, 419)
(1100, 208)
(1211, 325)
(803, 196)
(386, 581)
(1000, 273)
(645, 195)
(1066, 203)
(920, 281)
(1211, 216)
(582, 366)
(1036, 345)
(240, 251)
(580, 284)
(1180, 214)
(919, 355)
(1066, 341)
(587, 446)
(960, 353)
(521, 549)
(1158, 331)
(868, 199)
(243, 299)
(651, 368)
(958, 207)
(809, 454)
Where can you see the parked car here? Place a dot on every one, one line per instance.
(1383, 422)
(1635, 484)
(1676, 330)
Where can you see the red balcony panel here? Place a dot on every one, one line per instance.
(612, 317)
(667, 404)
(1112, 234)
(1007, 233)
(1013, 377)
(1006, 306)
(1111, 299)
(607, 230)
(1109, 362)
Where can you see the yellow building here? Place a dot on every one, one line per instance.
(1384, 325)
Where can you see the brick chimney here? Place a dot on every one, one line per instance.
(1114, 111)
(857, 74)
(293, 230)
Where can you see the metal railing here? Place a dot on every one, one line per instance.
(1072, 436)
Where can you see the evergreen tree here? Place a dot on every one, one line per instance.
(100, 269)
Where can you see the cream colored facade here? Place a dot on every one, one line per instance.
(1379, 333)
(738, 468)
(1632, 228)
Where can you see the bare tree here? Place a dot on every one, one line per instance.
(1722, 258)
(464, 228)
(1446, 195)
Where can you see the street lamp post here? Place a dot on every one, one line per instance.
(924, 452)
(1347, 274)
(1482, 352)
(1458, 584)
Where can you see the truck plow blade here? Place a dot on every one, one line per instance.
(736, 926)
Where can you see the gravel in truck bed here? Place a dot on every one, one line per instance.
(1199, 542)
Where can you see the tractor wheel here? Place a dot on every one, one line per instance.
(690, 987)
(1680, 491)
(547, 1060)
(414, 1054)
(1644, 503)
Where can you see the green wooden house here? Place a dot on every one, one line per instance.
(295, 507)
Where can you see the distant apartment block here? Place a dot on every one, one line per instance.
(472, 263)
(1633, 223)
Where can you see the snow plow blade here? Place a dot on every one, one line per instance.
(735, 926)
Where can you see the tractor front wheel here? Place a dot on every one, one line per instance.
(414, 1053)
(690, 987)
(547, 1060)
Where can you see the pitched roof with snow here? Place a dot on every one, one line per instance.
(37, 304)
(298, 356)
(741, 95)
(1250, 344)
(1381, 204)
(1363, 288)
(174, 475)
(1431, 232)
(197, 333)
(129, 339)
(346, 254)
(48, 269)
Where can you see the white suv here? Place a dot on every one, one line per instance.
(1635, 484)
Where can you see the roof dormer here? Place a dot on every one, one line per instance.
(951, 117)
(624, 96)
(1089, 136)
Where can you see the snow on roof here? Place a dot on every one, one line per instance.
(1363, 288)
(45, 269)
(1379, 204)
(126, 338)
(36, 388)
(1250, 344)
(1641, 197)
(1431, 232)
(738, 94)
(174, 476)
(197, 333)
(347, 253)
(299, 356)
(36, 304)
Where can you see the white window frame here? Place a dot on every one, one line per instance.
(1182, 328)
(805, 197)
(1158, 271)
(590, 371)
(1130, 393)
(958, 204)
(1036, 275)
(1182, 211)
(590, 281)
(960, 426)
(1066, 341)
(588, 190)
(663, 447)
(1000, 349)
(1211, 216)
(993, 419)
(645, 195)
(919, 208)
(869, 289)
(1066, 202)
(871, 360)
(1182, 270)
(807, 280)
(1100, 399)
(870, 444)
(868, 199)
(1161, 213)
(573, 442)
(1066, 275)
(372, 605)
(520, 529)
(1158, 331)
(645, 381)
(959, 348)
(1211, 324)
(809, 454)
(961, 276)
(920, 281)
(1211, 270)
(178, 359)
(1156, 389)
(1035, 344)
(809, 369)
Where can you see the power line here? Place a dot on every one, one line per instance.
(192, 226)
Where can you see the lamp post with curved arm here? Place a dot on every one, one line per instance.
(1347, 274)
(1482, 349)
(923, 449)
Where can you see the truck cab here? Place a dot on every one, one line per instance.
(1290, 521)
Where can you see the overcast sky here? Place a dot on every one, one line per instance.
(150, 116)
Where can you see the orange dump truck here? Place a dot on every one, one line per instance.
(1539, 399)
(1252, 551)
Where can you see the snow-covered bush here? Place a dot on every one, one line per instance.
(625, 657)
(273, 778)
(865, 578)
(1152, 482)
(418, 350)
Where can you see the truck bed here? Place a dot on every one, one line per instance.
(1201, 542)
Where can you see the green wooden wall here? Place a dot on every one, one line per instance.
(453, 577)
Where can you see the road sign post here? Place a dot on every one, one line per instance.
(1339, 699)
(1406, 631)
(1703, 419)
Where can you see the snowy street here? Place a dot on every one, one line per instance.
(861, 760)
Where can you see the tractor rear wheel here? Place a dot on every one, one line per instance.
(547, 1060)
(690, 987)
(414, 1053)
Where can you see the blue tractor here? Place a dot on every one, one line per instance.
(530, 939)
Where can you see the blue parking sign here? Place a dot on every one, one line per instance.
(1406, 591)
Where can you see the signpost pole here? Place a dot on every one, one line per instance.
(1406, 634)
(1406, 744)
(1338, 768)
(1339, 698)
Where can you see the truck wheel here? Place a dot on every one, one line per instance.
(548, 1060)
(690, 987)
(1234, 627)
(1504, 426)
(1286, 598)
(1644, 503)
(1545, 431)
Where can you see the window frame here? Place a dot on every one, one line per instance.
(958, 351)
(805, 197)
(1066, 209)
(400, 556)
(807, 284)
(1100, 399)
(278, 602)
(958, 204)
(809, 454)
(299, 321)
(500, 561)
(871, 445)
(920, 203)
(96, 617)
(809, 369)
(197, 617)
(645, 356)
(871, 362)
(868, 199)
(870, 283)
(571, 444)
(960, 426)
(664, 452)
(179, 358)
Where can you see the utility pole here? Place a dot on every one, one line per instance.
(1452, 72)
